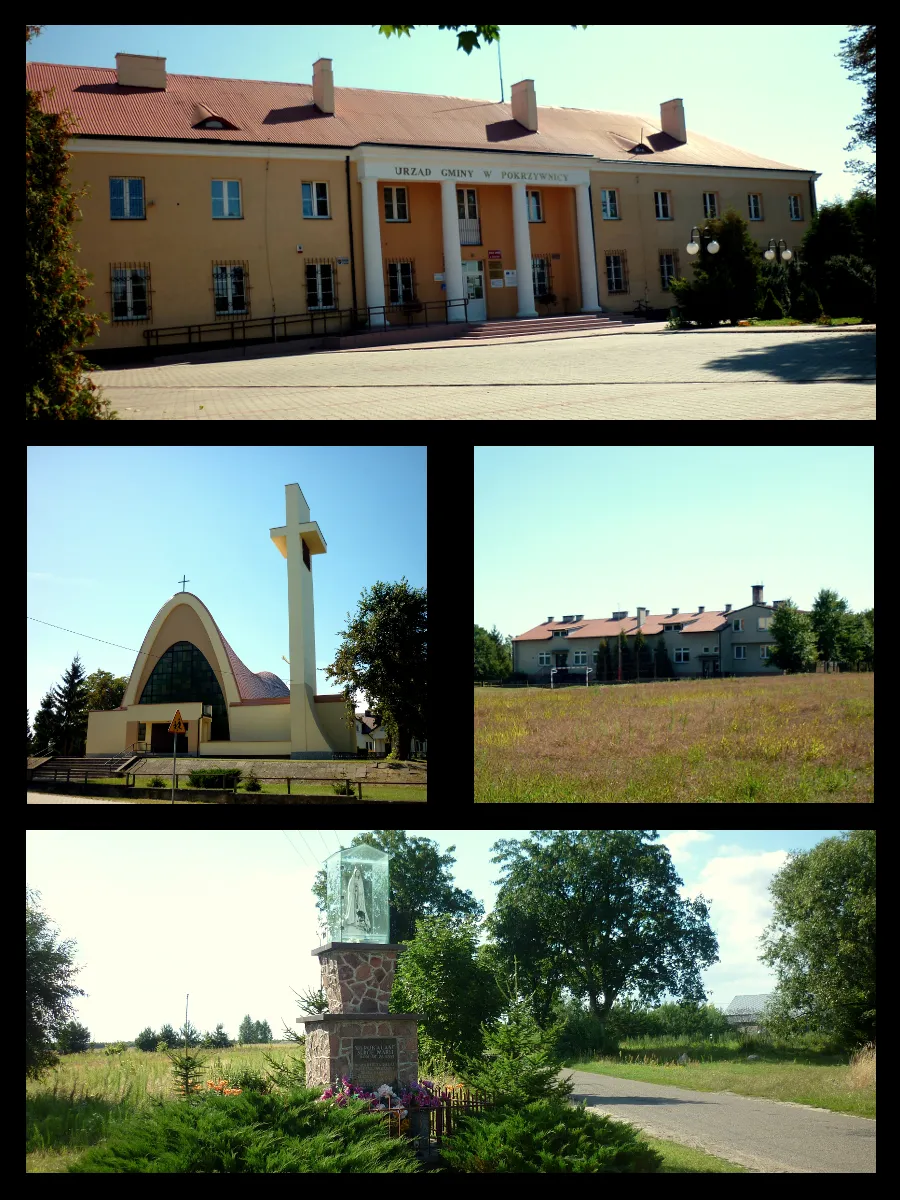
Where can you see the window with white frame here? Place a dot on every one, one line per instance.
(400, 282)
(609, 204)
(763, 623)
(226, 199)
(740, 652)
(668, 267)
(765, 651)
(126, 199)
(663, 207)
(319, 285)
(676, 628)
(543, 660)
(230, 288)
(395, 206)
(710, 205)
(737, 624)
(706, 649)
(540, 275)
(754, 206)
(795, 210)
(130, 293)
(315, 199)
(580, 659)
(466, 204)
(560, 633)
(535, 210)
(682, 654)
(616, 280)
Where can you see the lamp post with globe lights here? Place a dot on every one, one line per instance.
(774, 247)
(693, 246)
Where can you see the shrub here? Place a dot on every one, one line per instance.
(847, 286)
(724, 286)
(115, 1048)
(771, 309)
(251, 1133)
(807, 306)
(161, 1047)
(343, 787)
(209, 777)
(251, 783)
(547, 1136)
(156, 782)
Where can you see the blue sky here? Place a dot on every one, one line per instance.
(228, 916)
(598, 529)
(774, 90)
(111, 531)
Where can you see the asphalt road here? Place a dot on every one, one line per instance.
(762, 1135)
(50, 798)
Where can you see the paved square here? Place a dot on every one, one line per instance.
(727, 375)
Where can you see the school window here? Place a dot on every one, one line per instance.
(754, 206)
(540, 275)
(737, 624)
(543, 660)
(395, 206)
(315, 200)
(226, 198)
(740, 652)
(765, 651)
(400, 282)
(466, 204)
(668, 267)
(230, 288)
(319, 285)
(580, 658)
(763, 623)
(533, 199)
(126, 199)
(710, 207)
(663, 207)
(130, 287)
(609, 204)
(676, 628)
(795, 210)
(616, 275)
(560, 633)
(682, 654)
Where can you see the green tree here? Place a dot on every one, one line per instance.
(70, 700)
(794, 648)
(640, 649)
(220, 1039)
(57, 323)
(104, 690)
(725, 286)
(598, 912)
(49, 986)
(623, 657)
(858, 58)
(168, 1035)
(262, 1032)
(847, 287)
(46, 726)
(663, 662)
(855, 646)
(821, 941)
(467, 40)
(827, 620)
(610, 653)
(146, 1040)
(188, 1036)
(441, 976)
(73, 1038)
(384, 654)
(421, 881)
(772, 309)
(492, 655)
(861, 207)
(247, 1031)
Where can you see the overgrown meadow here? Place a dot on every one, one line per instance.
(793, 738)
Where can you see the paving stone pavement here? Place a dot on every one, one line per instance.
(714, 375)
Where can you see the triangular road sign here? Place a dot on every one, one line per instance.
(177, 725)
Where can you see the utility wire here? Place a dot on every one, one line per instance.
(314, 857)
(294, 848)
(322, 840)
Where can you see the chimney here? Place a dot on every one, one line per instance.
(619, 616)
(675, 612)
(671, 118)
(549, 619)
(728, 608)
(777, 604)
(140, 70)
(580, 617)
(641, 616)
(524, 104)
(566, 620)
(757, 593)
(323, 86)
(701, 609)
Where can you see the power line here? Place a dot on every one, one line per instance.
(94, 639)
(314, 857)
(294, 848)
(322, 840)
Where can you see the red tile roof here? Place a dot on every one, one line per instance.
(707, 622)
(284, 114)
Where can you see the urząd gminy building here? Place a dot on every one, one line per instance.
(730, 641)
(217, 199)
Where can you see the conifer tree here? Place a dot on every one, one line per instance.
(46, 726)
(70, 701)
(247, 1031)
(168, 1035)
(663, 662)
(625, 659)
(640, 646)
(146, 1040)
(724, 286)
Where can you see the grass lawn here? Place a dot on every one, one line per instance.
(794, 321)
(299, 787)
(682, 1160)
(791, 738)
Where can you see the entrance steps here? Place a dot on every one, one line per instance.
(528, 327)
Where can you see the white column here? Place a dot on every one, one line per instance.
(586, 255)
(453, 278)
(523, 252)
(372, 249)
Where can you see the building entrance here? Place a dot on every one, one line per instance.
(473, 274)
(161, 739)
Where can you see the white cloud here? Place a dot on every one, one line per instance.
(680, 839)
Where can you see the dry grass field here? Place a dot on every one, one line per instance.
(794, 738)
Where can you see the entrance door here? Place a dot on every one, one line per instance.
(161, 739)
(473, 278)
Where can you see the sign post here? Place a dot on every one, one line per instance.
(176, 727)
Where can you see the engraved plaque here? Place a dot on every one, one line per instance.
(374, 1062)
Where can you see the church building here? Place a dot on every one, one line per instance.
(185, 663)
(215, 202)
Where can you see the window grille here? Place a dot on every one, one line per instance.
(668, 267)
(226, 199)
(315, 200)
(467, 204)
(396, 207)
(126, 199)
(616, 271)
(231, 287)
(541, 276)
(129, 290)
(401, 273)
(321, 288)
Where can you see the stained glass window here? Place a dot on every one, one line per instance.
(183, 673)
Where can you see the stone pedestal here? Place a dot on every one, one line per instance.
(358, 1037)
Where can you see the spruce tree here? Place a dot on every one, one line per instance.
(626, 656)
(640, 652)
(168, 1035)
(146, 1040)
(46, 726)
(219, 1038)
(663, 662)
(70, 698)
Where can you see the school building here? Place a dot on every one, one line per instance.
(215, 201)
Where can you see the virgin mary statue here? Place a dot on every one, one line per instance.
(355, 910)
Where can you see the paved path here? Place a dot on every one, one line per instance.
(763, 1135)
(721, 375)
(50, 798)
